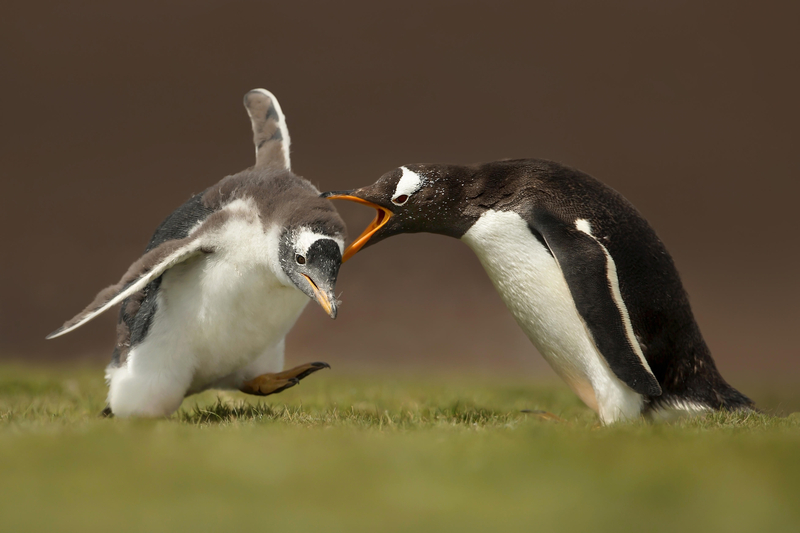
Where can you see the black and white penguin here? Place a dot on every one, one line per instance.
(582, 272)
(221, 283)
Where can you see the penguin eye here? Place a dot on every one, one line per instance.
(300, 259)
(400, 200)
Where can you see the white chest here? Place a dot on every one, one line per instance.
(532, 286)
(231, 305)
(530, 283)
(219, 312)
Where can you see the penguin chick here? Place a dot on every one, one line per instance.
(580, 269)
(221, 283)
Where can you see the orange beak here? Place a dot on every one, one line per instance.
(381, 218)
(322, 299)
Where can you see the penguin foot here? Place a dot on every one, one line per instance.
(267, 384)
(302, 371)
(543, 415)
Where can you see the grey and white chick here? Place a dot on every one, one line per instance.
(222, 281)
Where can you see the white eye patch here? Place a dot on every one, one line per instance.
(410, 182)
(305, 238)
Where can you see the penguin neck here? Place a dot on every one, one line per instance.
(462, 195)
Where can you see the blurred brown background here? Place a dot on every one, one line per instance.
(115, 113)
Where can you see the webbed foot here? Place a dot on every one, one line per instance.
(267, 384)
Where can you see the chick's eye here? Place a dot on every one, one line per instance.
(400, 200)
(300, 259)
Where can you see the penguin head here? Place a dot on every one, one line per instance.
(408, 199)
(310, 259)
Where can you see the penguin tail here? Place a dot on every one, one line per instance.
(730, 399)
(699, 399)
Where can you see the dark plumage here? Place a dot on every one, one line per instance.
(597, 241)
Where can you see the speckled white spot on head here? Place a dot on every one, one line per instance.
(410, 182)
(305, 238)
(583, 225)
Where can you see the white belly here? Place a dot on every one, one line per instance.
(532, 286)
(214, 318)
(232, 319)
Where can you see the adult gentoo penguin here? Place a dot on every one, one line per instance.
(222, 282)
(582, 272)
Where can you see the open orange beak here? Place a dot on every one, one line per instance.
(381, 218)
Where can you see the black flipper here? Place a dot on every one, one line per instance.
(590, 273)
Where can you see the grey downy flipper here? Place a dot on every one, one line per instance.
(149, 267)
(591, 276)
(172, 243)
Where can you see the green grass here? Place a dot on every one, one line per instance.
(344, 453)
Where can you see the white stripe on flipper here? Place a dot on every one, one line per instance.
(531, 283)
(178, 256)
(286, 142)
(584, 226)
